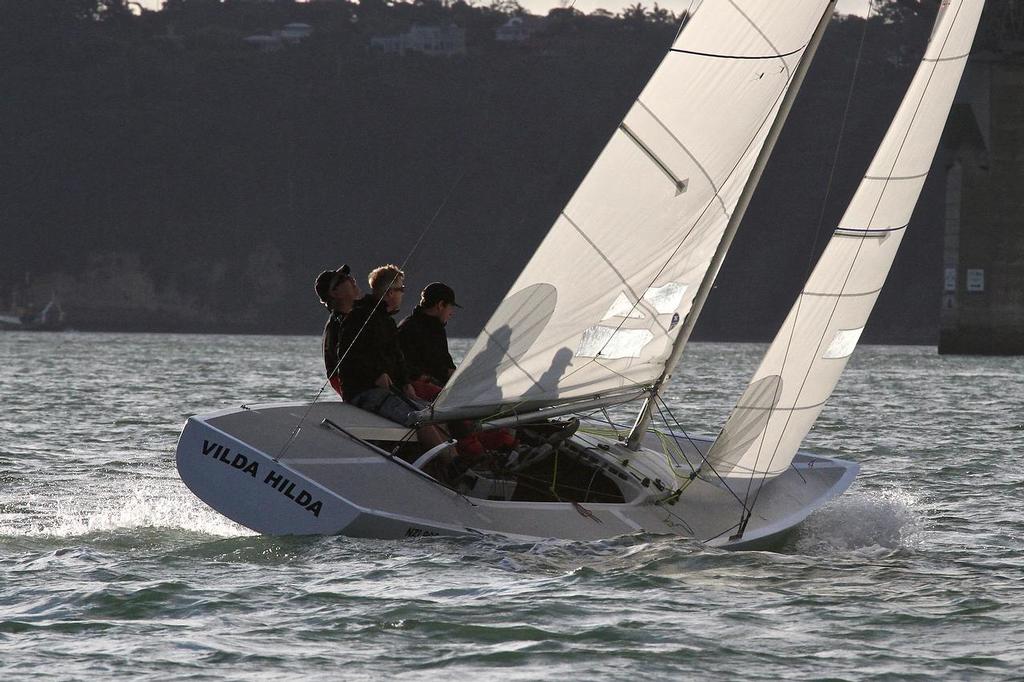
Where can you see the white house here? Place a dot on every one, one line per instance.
(296, 32)
(434, 41)
(265, 43)
(514, 30)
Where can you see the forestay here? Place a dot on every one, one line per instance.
(596, 309)
(804, 362)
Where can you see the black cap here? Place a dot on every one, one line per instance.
(327, 280)
(436, 292)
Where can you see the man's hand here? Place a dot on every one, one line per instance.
(383, 381)
(411, 392)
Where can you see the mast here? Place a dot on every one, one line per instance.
(644, 418)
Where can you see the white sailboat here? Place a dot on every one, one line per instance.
(601, 315)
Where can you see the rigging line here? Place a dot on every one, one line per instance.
(767, 118)
(874, 212)
(415, 246)
(536, 483)
(710, 202)
(511, 410)
(739, 158)
(703, 456)
(684, 19)
(608, 418)
(592, 439)
(680, 519)
(718, 535)
(625, 283)
(633, 382)
(660, 403)
(661, 410)
(621, 277)
(821, 221)
(789, 74)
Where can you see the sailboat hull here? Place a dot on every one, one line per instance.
(254, 466)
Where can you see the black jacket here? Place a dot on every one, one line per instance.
(332, 332)
(425, 346)
(375, 350)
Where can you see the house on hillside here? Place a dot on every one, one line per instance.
(264, 43)
(517, 29)
(296, 32)
(292, 34)
(433, 41)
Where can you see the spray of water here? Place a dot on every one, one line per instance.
(155, 504)
(889, 518)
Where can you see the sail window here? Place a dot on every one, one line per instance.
(623, 307)
(611, 344)
(666, 299)
(843, 343)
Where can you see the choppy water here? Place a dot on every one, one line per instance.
(109, 566)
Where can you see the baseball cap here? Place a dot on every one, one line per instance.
(327, 280)
(436, 292)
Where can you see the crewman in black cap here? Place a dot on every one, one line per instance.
(338, 291)
(424, 340)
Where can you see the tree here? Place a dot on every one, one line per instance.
(635, 14)
(509, 7)
(660, 15)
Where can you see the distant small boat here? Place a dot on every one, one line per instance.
(50, 318)
(600, 316)
(10, 322)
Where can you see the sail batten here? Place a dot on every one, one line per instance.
(948, 59)
(742, 56)
(821, 331)
(646, 221)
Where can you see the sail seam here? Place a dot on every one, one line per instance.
(622, 278)
(775, 408)
(767, 40)
(739, 56)
(625, 284)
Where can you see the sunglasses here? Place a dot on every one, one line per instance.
(341, 279)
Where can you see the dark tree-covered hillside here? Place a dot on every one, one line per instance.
(161, 172)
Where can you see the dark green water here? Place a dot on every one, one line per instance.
(109, 567)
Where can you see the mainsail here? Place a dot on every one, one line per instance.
(596, 310)
(803, 364)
